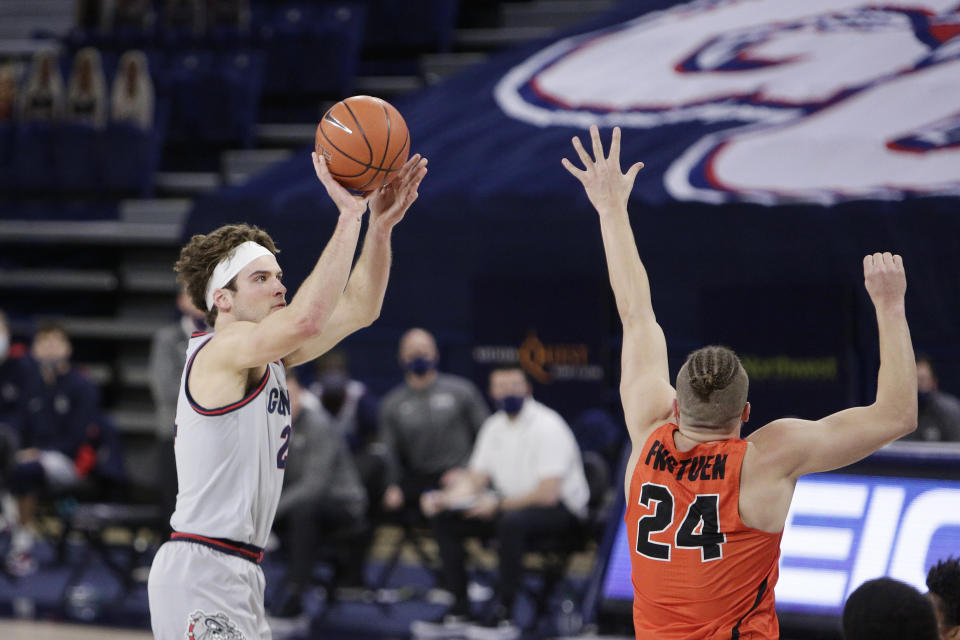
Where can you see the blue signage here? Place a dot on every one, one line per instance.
(843, 530)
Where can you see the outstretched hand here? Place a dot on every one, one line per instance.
(607, 187)
(346, 202)
(390, 202)
(885, 279)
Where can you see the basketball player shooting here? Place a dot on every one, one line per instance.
(705, 508)
(233, 415)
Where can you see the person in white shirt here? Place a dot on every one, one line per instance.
(524, 481)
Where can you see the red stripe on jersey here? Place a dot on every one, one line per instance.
(227, 408)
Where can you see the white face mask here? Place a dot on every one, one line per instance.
(4, 345)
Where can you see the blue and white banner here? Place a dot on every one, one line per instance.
(820, 101)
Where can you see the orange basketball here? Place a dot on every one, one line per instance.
(365, 142)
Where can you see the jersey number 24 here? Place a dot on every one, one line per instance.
(700, 528)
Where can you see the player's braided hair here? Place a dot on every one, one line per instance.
(943, 579)
(201, 255)
(712, 386)
(711, 368)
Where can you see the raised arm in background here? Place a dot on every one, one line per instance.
(645, 388)
(795, 447)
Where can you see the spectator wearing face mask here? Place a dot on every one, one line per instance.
(351, 408)
(938, 412)
(20, 398)
(48, 458)
(168, 354)
(525, 482)
(428, 423)
(322, 496)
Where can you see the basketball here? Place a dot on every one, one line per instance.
(365, 142)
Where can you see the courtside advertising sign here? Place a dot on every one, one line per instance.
(841, 531)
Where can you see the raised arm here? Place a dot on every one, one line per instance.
(645, 388)
(244, 345)
(797, 447)
(363, 298)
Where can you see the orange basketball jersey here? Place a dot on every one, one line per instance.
(698, 572)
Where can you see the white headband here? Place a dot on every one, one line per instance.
(227, 269)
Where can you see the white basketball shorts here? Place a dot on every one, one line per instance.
(199, 593)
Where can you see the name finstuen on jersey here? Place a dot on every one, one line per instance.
(712, 467)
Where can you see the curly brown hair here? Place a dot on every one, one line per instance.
(201, 255)
(712, 386)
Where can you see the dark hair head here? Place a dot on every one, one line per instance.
(507, 367)
(712, 387)
(201, 255)
(924, 358)
(47, 328)
(887, 609)
(943, 581)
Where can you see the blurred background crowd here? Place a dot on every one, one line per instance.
(128, 125)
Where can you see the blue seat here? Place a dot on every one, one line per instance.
(187, 83)
(80, 158)
(237, 87)
(130, 159)
(7, 155)
(37, 161)
(313, 48)
(422, 25)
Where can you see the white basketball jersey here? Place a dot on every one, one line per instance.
(230, 459)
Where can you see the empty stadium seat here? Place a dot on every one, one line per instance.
(80, 154)
(313, 48)
(130, 159)
(37, 162)
(422, 25)
(7, 155)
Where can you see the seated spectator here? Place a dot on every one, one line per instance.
(938, 413)
(132, 99)
(525, 481)
(428, 424)
(322, 495)
(49, 447)
(168, 355)
(8, 93)
(42, 98)
(232, 14)
(184, 15)
(87, 93)
(887, 609)
(21, 388)
(352, 410)
(943, 581)
(20, 399)
(136, 15)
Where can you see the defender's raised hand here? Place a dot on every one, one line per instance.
(390, 202)
(346, 202)
(885, 279)
(606, 185)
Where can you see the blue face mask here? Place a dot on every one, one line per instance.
(511, 405)
(419, 366)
